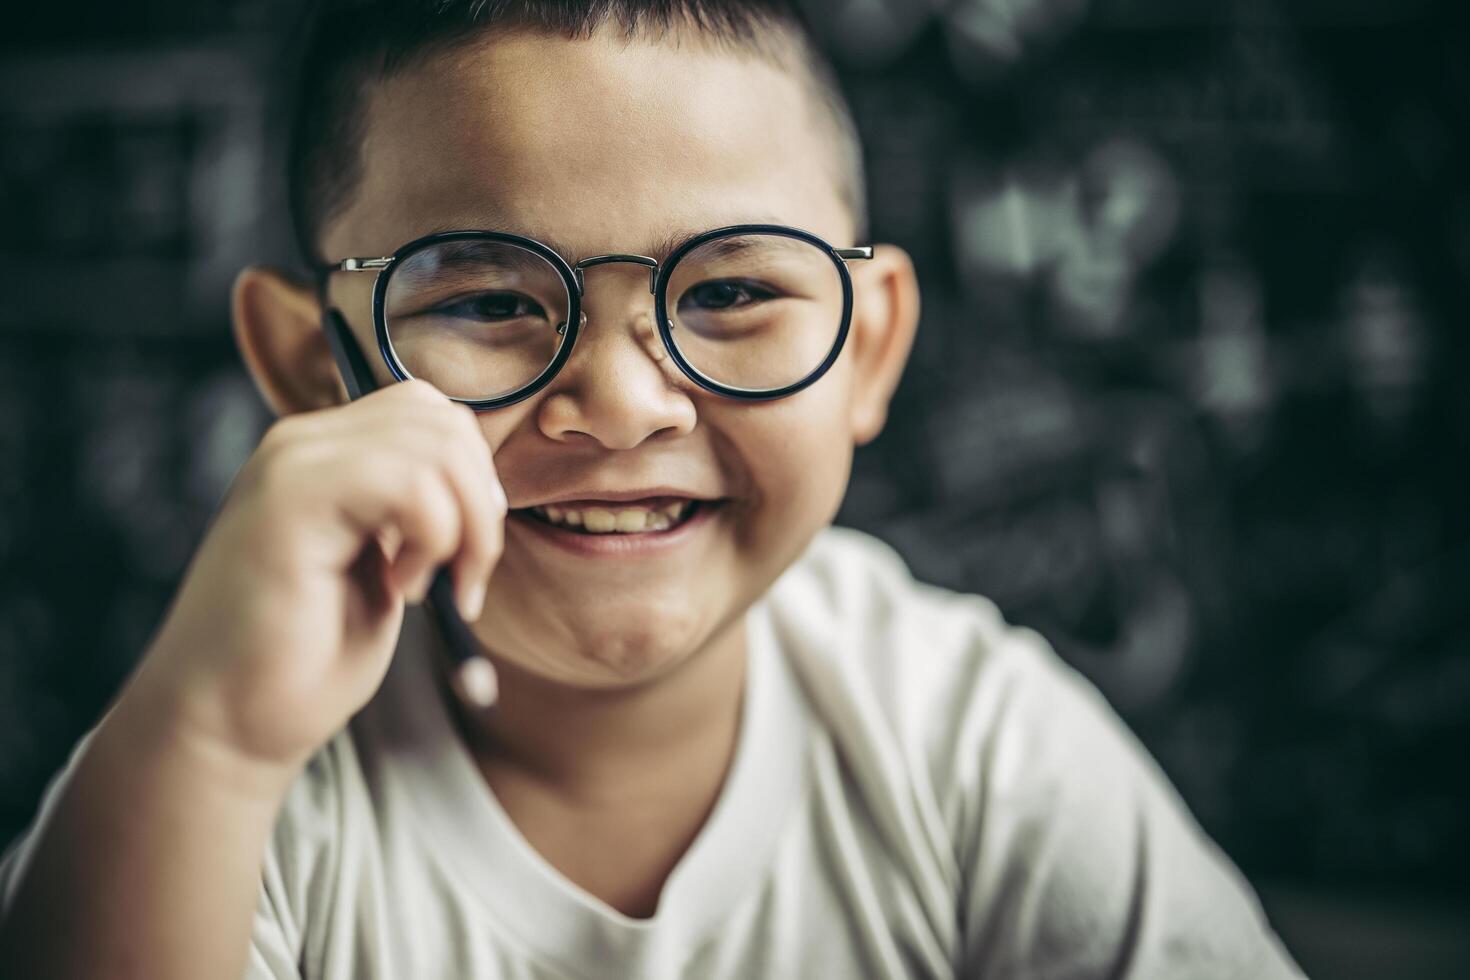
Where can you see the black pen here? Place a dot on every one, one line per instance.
(473, 675)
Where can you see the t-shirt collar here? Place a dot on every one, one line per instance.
(408, 725)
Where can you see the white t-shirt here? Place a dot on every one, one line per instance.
(918, 790)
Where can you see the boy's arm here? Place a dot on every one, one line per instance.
(1085, 861)
(148, 860)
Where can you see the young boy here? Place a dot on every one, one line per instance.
(729, 741)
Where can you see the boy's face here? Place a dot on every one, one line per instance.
(603, 146)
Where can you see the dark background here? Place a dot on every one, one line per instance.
(1189, 395)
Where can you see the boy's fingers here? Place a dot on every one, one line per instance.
(390, 540)
(424, 429)
(373, 571)
(413, 572)
(468, 464)
(447, 439)
(419, 502)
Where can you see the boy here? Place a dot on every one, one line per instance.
(728, 742)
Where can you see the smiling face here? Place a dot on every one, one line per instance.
(606, 145)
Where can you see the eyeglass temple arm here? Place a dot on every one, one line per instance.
(362, 264)
(366, 263)
(464, 649)
(861, 252)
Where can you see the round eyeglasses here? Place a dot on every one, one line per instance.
(750, 311)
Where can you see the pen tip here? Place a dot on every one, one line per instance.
(477, 682)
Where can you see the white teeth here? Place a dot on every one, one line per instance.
(598, 520)
(631, 520)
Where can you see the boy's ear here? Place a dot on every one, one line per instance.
(277, 324)
(885, 316)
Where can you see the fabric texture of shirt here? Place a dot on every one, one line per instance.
(918, 790)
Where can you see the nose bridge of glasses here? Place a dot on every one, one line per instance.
(643, 322)
(650, 263)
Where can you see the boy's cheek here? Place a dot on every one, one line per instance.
(800, 494)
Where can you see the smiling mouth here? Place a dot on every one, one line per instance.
(609, 518)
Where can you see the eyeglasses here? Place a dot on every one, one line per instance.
(751, 311)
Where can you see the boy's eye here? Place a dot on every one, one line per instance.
(722, 294)
(491, 307)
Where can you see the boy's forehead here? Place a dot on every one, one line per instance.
(600, 144)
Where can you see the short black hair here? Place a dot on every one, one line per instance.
(346, 46)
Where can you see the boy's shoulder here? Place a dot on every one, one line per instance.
(941, 675)
(1004, 772)
(851, 601)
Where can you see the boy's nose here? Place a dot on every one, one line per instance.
(620, 387)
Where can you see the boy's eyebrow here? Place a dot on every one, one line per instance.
(660, 248)
(464, 262)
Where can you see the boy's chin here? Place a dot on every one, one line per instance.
(622, 634)
(617, 664)
(609, 656)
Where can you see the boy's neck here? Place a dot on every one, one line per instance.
(608, 745)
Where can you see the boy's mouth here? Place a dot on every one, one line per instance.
(598, 517)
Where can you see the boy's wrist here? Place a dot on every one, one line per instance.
(146, 729)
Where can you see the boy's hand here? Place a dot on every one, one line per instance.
(289, 613)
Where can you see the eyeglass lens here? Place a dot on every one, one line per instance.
(757, 312)
(483, 319)
(477, 319)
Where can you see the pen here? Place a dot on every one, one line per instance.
(473, 676)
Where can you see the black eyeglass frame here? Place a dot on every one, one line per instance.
(659, 276)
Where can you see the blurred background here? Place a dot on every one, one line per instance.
(1189, 396)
